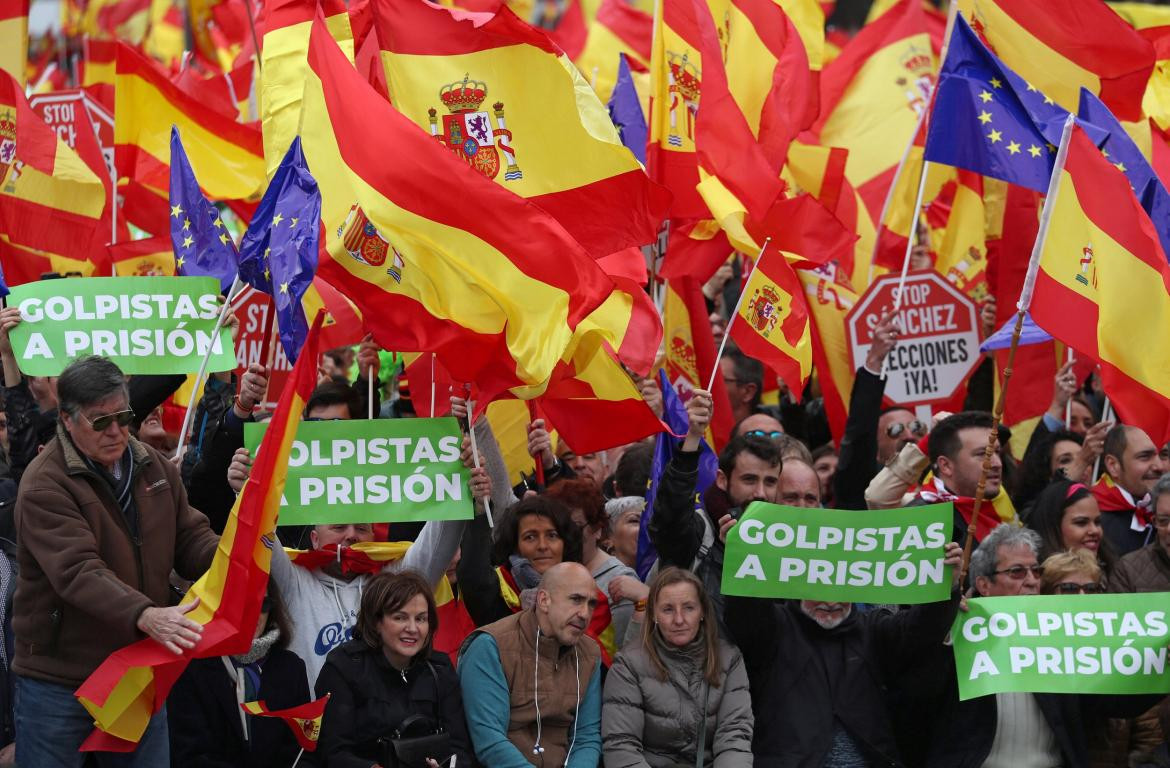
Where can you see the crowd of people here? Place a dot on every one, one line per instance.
(530, 637)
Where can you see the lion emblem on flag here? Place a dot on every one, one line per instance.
(365, 243)
(469, 133)
(763, 310)
(7, 141)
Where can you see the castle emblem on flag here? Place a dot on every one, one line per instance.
(7, 141)
(763, 310)
(917, 77)
(685, 84)
(365, 243)
(310, 728)
(1085, 276)
(468, 130)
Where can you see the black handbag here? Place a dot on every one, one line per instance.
(416, 738)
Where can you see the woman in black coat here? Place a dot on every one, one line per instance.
(387, 674)
(207, 725)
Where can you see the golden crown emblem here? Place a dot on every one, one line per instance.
(465, 96)
(917, 60)
(686, 75)
(8, 123)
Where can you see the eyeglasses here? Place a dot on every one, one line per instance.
(1018, 572)
(761, 433)
(916, 428)
(1072, 588)
(102, 423)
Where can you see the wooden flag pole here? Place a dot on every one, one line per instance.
(1021, 309)
(1068, 404)
(731, 320)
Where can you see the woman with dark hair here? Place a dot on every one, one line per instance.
(1067, 517)
(1051, 456)
(498, 567)
(388, 681)
(587, 508)
(208, 727)
(679, 698)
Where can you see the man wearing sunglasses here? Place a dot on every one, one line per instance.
(102, 521)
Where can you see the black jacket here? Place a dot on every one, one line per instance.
(370, 699)
(204, 715)
(805, 679)
(857, 464)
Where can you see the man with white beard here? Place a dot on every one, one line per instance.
(817, 671)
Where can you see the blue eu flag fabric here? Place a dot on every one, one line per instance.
(674, 414)
(626, 112)
(1121, 150)
(987, 119)
(278, 254)
(203, 247)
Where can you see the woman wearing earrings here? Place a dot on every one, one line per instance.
(679, 698)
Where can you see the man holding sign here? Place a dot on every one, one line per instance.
(818, 668)
(998, 707)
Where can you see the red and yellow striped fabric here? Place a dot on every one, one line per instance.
(618, 28)
(1104, 286)
(50, 200)
(773, 320)
(830, 297)
(872, 95)
(133, 683)
(14, 33)
(431, 270)
(141, 258)
(1083, 44)
(498, 95)
(304, 720)
(228, 157)
(690, 353)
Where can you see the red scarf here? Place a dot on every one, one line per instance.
(988, 516)
(1113, 498)
(363, 557)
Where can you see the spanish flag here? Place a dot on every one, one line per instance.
(872, 96)
(133, 683)
(690, 353)
(97, 69)
(1060, 49)
(228, 157)
(962, 254)
(772, 323)
(618, 28)
(1103, 285)
(430, 270)
(304, 720)
(830, 297)
(142, 258)
(25, 265)
(286, 44)
(505, 101)
(14, 33)
(50, 200)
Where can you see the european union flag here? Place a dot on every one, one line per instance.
(987, 119)
(278, 254)
(199, 238)
(1121, 150)
(674, 414)
(625, 110)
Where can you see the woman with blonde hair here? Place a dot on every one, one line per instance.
(679, 698)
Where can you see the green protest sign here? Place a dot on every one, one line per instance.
(147, 325)
(880, 556)
(372, 471)
(1062, 644)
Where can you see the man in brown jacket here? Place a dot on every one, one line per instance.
(532, 681)
(1148, 569)
(101, 520)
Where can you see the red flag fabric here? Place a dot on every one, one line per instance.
(304, 720)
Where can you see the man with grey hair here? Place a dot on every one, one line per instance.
(1012, 729)
(1148, 569)
(102, 520)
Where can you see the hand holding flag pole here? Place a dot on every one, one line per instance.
(487, 502)
(1021, 309)
(731, 320)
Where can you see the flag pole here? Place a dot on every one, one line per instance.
(432, 384)
(223, 313)
(909, 249)
(1068, 405)
(1022, 305)
(487, 502)
(734, 313)
(370, 394)
(1106, 413)
(294, 765)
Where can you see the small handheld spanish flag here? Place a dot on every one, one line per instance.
(305, 719)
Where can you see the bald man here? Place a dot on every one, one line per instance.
(532, 681)
(800, 486)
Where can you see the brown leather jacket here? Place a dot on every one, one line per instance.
(84, 580)
(1144, 570)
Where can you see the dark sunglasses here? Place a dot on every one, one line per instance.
(102, 423)
(1018, 572)
(761, 433)
(916, 427)
(1072, 588)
